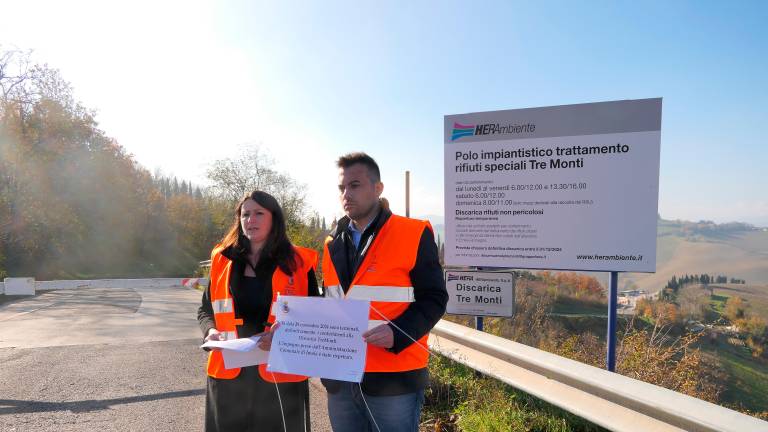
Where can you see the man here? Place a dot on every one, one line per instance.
(393, 262)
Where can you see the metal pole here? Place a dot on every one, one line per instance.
(613, 295)
(407, 194)
(479, 319)
(479, 326)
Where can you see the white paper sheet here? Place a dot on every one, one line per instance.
(241, 345)
(240, 352)
(320, 337)
(235, 359)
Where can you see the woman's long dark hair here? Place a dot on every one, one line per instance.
(277, 247)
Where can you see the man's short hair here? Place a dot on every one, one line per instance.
(350, 159)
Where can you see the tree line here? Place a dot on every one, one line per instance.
(75, 204)
(673, 286)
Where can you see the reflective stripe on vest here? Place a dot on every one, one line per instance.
(229, 335)
(375, 323)
(381, 293)
(223, 306)
(334, 291)
(373, 293)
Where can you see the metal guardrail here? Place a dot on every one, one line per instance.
(607, 399)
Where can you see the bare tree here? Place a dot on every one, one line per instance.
(251, 170)
(15, 69)
(693, 300)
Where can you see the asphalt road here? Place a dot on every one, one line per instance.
(107, 360)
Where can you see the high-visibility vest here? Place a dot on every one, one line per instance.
(383, 279)
(224, 308)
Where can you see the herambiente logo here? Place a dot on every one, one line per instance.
(460, 130)
(453, 277)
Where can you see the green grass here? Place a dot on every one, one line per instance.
(717, 303)
(747, 381)
(567, 306)
(571, 310)
(461, 400)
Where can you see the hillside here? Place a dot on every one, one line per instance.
(734, 250)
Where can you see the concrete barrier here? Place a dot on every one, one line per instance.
(19, 286)
(108, 283)
(28, 286)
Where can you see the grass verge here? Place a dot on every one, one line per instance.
(746, 384)
(458, 399)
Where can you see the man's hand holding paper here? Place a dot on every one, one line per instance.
(380, 336)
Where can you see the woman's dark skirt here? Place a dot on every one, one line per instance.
(250, 404)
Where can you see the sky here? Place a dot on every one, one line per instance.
(181, 84)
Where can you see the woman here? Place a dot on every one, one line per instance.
(253, 264)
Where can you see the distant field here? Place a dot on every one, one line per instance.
(754, 241)
(755, 295)
(743, 255)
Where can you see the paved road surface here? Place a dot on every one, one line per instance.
(103, 360)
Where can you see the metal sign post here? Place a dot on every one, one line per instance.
(479, 318)
(479, 323)
(613, 295)
(407, 194)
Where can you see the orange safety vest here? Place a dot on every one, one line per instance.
(383, 279)
(224, 308)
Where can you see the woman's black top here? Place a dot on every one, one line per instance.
(252, 297)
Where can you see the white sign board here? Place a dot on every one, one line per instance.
(480, 293)
(320, 337)
(565, 187)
